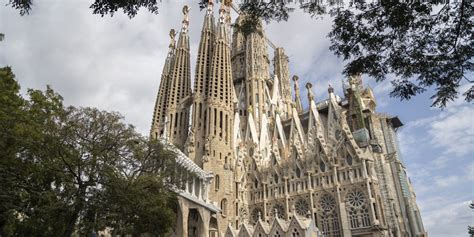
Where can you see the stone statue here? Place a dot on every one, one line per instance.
(351, 176)
(190, 141)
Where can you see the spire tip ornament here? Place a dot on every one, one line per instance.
(186, 18)
(330, 89)
(310, 91)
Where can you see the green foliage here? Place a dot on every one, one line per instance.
(68, 169)
(128, 7)
(421, 47)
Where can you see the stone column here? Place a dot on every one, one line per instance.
(205, 218)
(182, 223)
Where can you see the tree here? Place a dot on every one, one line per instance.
(416, 45)
(66, 169)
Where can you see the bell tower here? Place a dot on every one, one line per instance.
(180, 88)
(219, 118)
(161, 105)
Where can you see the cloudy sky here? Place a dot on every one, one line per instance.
(115, 64)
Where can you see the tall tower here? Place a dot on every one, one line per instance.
(251, 71)
(201, 87)
(281, 70)
(238, 71)
(219, 109)
(161, 104)
(180, 88)
(257, 73)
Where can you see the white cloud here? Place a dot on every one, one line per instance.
(454, 131)
(447, 218)
(447, 181)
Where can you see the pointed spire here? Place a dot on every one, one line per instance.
(161, 104)
(299, 106)
(180, 88)
(201, 81)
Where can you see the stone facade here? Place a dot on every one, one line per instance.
(333, 163)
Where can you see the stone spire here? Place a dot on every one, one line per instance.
(257, 73)
(356, 105)
(180, 90)
(281, 70)
(219, 113)
(298, 105)
(201, 84)
(251, 71)
(161, 104)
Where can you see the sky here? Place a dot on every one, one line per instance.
(114, 63)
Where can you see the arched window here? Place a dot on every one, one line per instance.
(216, 182)
(322, 166)
(224, 206)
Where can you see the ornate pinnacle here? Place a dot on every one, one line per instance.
(330, 89)
(186, 18)
(355, 81)
(310, 91)
(172, 36)
(210, 5)
(224, 11)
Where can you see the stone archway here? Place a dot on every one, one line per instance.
(195, 223)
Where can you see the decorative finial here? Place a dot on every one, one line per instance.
(259, 214)
(186, 18)
(355, 81)
(210, 5)
(295, 78)
(172, 37)
(330, 89)
(172, 34)
(310, 91)
(171, 46)
(224, 16)
(276, 213)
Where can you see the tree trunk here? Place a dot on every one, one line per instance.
(71, 222)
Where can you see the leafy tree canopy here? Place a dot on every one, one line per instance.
(416, 45)
(68, 170)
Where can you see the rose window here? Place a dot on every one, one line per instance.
(356, 198)
(327, 202)
(302, 207)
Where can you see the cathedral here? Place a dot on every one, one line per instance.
(270, 165)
